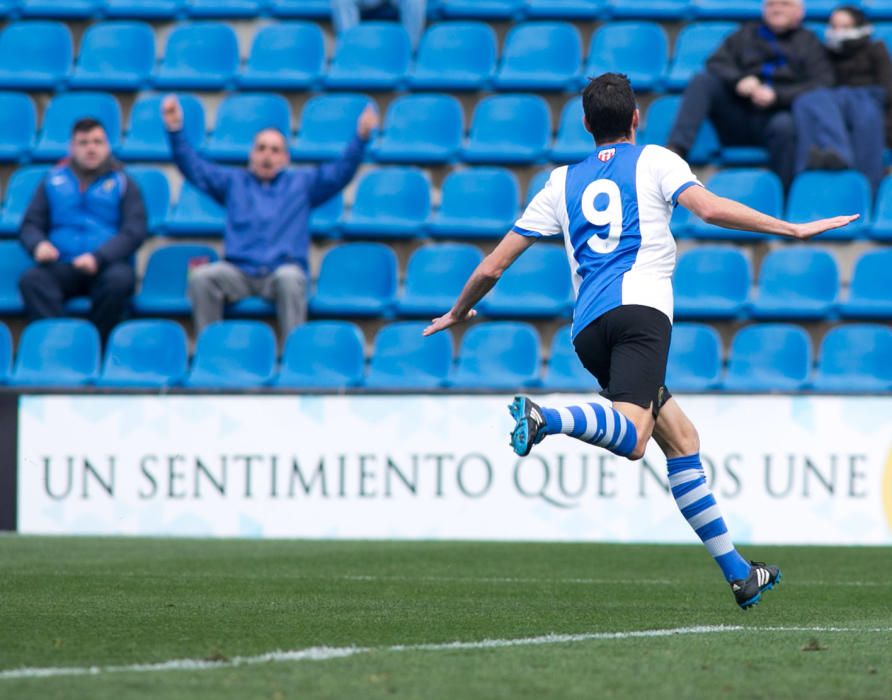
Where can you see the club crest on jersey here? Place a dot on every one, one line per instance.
(606, 154)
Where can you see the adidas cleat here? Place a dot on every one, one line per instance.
(529, 429)
(762, 577)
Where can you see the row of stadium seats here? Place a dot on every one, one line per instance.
(362, 280)
(500, 355)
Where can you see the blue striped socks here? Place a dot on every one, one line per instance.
(595, 424)
(698, 506)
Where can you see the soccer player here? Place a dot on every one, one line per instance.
(613, 210)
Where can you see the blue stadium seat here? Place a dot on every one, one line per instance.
(695, 358)
(146, 138)
(651, 9)
(13, 262)
(286, 56)
(239, 118)
(195, 214)
(870, 294)
(155, 193)
(164, 284)
(318, 9)
(57, 352)
(759, 189)
(855, 359)
(743, 156)
(144, 9)
(490, 9)
(64, 110)
(769, 357)
(821, 9)
(712, 282)
(536, 183)
(404, 359)
(322, 355)
(881, 227)
(70, 9)
(877, 9)
(198, 56)
(846, 192)
(536, 285)
(145, 354)
(35, 55)
(233, 355)
(115, 56)
(435, 275)
(497, 355)
(327, 124)
(508, 129)
(19, 191)
(638, 49)
(421, 129)
(540, 56)
(370, 56)
(695, 44)
(728, 9)
(5, 353)
(573, 143)
(224, 8)
(565, 371)
(18, 122)
(325, 220)
(658, 124)
(797, 282)
(389, 203)
(455, 56)
(356, 279)
(476, 203)
(565, 9)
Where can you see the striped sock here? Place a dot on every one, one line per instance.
(697, 505)
(595, 424)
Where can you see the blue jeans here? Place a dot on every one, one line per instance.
(345, 14)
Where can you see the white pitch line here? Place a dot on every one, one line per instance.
(580, 581)
(327, 653)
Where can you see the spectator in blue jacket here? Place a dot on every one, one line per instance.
(346, 14)
(82, 227)
(266, 238)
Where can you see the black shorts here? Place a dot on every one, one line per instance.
(627, 349)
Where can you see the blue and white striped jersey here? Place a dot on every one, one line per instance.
(613, 210)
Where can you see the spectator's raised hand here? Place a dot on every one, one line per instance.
(46, 252)
(172, 113)
(764, 96)
(747, 86)
(86, 263)
(368, 122)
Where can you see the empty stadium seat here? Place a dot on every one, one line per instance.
(565, 9)
(435, 275)
(508, 129)
(356, 279)
(769, 357)
(198, 56)
(565, 371)
(325, 220)
(855, 359)
(115, 56)
(878, 9)
(327, 124)
(757, 188)
(370, 56)
(845, 192)
(71, 9)
(146, 138)
(881, 227)
(695, 44)
(728, 9)
(870, 294)
(13, 262)
(404, 359)
(164, 284)
(572, 143)
(145, 354)
(389, 203)
(540, 56)
(18, 122)
(800, 281)
(476, 203)
(638, 49)
(658, 123)
(322, 355)
(224, 8)
(712, 282)
(455, 56)
(233, 355)
(57, 352)
(537, 182)
(195, 214)
(155, 193)
(320, 9)
(821, 9)
(497, 355)
(5, 353)
(695, 358)
(536, 285)
(35, 55)
(491, 9)
(19, 191)
(64, 110)
(655, 9)
(239, 118)
(287, 56)
(144, 9)
(421, 129)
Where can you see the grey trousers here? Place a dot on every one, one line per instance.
(211, 286)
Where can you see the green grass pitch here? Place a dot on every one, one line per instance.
(381, 618)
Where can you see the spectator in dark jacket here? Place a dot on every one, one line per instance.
(847, 126)
(752, 81)
(84, 224)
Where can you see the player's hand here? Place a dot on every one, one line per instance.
(86, 263)
(445, 321)
(46, 252)
(368, 121)
(764, 96)
(747, 86)
(813, 228)
(172, 113)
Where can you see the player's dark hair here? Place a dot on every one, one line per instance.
(86, 124)
(609, 105)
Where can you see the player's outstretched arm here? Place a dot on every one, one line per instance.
(482, 280)
(730, 214)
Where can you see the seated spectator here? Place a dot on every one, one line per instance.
(345, 14)
(847, 126)
(266, 239)
(82, 227)
(751, 83)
